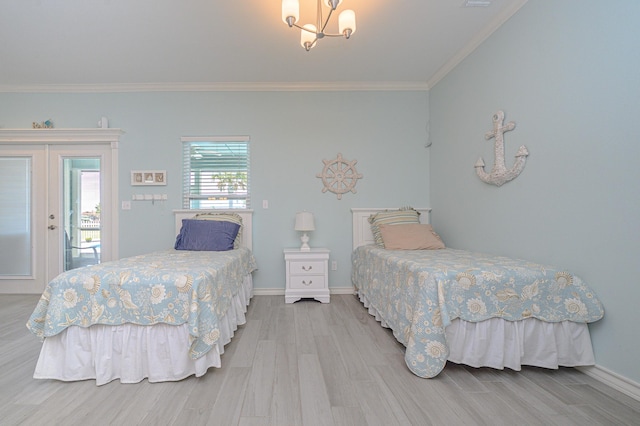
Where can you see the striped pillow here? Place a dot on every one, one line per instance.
(225, 217)
(392, 217)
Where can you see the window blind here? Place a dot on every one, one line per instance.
(216, 172)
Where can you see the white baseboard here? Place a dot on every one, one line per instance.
(280, 291)
(268, 291)
(342, 290)
(616, 381)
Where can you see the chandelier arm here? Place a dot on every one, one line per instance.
(322, 30)
(326, 22)
(301, 28)
(325, 34)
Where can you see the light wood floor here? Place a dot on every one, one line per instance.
(303, 364)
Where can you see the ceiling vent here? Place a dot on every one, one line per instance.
(476, 3)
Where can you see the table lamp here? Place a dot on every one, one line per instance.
(304, 223)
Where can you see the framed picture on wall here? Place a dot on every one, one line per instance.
(136, 178)
(148, 177)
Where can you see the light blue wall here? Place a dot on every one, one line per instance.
(568, 73)
(291, 133)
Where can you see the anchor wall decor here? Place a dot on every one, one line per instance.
(499, 173)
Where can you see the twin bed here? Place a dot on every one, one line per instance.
(163, 316)
(167, 315)
(468, 308)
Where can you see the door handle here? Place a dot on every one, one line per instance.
(52, 227)
(52, 216)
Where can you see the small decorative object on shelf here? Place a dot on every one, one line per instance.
(43, 124)
(339, 176)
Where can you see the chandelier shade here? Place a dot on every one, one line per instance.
(290, 11)
(347, 23)
(310, 33)
(308, 36)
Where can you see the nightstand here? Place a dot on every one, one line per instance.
(307, 274)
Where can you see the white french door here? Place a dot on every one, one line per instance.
(22, 230)
(77, 222)
(57, 208)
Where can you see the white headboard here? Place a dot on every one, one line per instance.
(246, 215)
(362, 234)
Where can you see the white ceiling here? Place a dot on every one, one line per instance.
(233, 44)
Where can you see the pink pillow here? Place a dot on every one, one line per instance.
(410, 236)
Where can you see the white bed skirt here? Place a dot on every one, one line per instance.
(498, 343)
(132, 352)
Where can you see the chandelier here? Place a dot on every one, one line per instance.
(309, 33)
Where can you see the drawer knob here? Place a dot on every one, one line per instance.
(305, 283)
(307, 268)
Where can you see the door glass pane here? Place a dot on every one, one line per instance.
(15, 216)
(81, 212)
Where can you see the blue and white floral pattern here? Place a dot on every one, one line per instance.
(172, 287)
(419, 292)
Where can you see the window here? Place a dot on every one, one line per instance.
(216, 172)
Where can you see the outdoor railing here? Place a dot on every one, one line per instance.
(90, 230)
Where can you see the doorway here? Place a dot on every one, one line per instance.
(80, 209)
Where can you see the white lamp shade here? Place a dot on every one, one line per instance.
(308, 37)
(347, 22)
(290, 8)
(305, 222)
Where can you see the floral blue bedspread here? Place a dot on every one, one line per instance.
(419, 292)
(173, 287)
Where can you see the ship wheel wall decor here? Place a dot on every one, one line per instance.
(339, 176)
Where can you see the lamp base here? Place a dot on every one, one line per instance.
(305, 242)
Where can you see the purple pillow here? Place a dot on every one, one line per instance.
(206, 235)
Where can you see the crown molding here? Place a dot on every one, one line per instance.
(65, 136)
(345, 86)
(500, 19)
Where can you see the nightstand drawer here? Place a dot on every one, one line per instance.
(302, 267)
(307, 281)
